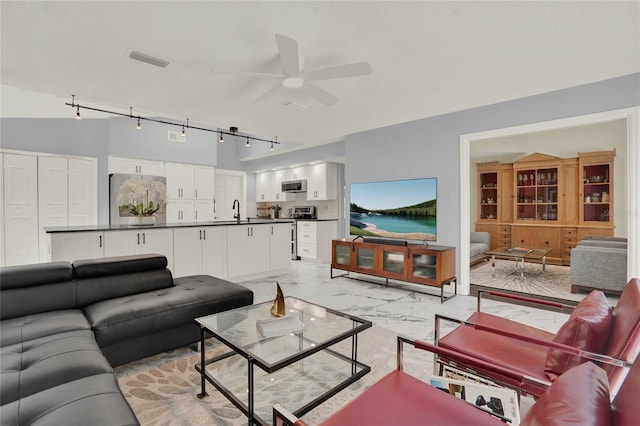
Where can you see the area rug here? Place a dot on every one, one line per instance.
(553, 282)
(162, 390)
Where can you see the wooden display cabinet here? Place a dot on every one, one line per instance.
(494, 189)
(432, 265)
(536, 179)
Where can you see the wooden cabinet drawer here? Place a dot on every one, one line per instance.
(569, 232)
(505, 229)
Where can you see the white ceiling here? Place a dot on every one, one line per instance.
(428, 58)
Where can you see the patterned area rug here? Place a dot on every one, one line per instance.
(553, 282)
(162, 390)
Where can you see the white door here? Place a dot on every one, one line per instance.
(237, 241)
(258, 249)
(179, 211)
(121, 243)
(82, 196)
(20, 209)
(203, 211)
(157, 241)
(187, 251)
(214, 251)
(70, 246)
(280, 245)
(204, 183)
(52, 199)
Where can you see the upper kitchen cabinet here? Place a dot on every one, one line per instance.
(298, 173)
(135, 166)
(180, 180)
(264, 187)
(277, 178)
(322, 181)
(203, 183)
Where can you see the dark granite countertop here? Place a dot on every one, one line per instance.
(89, 228)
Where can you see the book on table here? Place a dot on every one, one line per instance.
(273, 327)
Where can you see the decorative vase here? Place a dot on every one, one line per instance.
(142, 220)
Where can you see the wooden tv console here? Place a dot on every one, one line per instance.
(432, 265)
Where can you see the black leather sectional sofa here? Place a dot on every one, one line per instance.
(65, 325)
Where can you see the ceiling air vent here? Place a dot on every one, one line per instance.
(177, 137)
(139, 56)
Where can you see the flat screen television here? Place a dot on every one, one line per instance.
(398, 209)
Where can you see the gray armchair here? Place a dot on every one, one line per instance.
(599, 263)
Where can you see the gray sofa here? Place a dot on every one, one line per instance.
(599, 263)
(480, 244)
(64, 326)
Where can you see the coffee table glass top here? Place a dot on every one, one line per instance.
(323, 327)
(520, 252)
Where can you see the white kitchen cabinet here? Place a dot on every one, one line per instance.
(180, 181)
(20, 191)
(66, 195)
(136, 166)
(298, 173)
(314, 239)
(139, 241)
(228, 188)
(180, 211)
(71, 246)
(277, 178)
(247, 249)
(280, 246)
(200, 250)
(203, 211)
(322, 181)
(203, 182)
(264, 187)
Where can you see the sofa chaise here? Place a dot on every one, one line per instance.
(599, 263)
(63, 326)
(480, 243)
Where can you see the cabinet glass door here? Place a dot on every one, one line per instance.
(537, 194)
(596, 204)
(393, 264)
(423, 266)
(489, 196)
(365, 257)
(342, 255)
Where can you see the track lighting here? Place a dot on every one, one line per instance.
(233, 131)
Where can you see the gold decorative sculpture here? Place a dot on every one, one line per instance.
(278, 309)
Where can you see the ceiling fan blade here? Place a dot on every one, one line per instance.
(271, 93)
(249, 74)
(288, 49)
(321, 95)
(340, 71)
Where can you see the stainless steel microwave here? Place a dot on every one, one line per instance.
(294, 186)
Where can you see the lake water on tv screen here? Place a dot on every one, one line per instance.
(403, 224)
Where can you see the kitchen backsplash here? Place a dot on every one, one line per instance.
(325, 209)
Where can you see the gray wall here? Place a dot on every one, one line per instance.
(431, 147)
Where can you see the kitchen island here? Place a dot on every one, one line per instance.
(233, 250)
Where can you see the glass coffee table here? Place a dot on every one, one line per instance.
(299, 369)
(520, 254)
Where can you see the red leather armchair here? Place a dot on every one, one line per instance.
(578, 397)
(593, 331)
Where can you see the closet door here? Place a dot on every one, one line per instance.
(52, 199)
(20, 174)
(82, 192)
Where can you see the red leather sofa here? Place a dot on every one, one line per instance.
(592, 329)
(579, 396)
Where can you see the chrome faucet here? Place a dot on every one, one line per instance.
(236, 205)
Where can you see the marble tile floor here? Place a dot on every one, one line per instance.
(403, 311)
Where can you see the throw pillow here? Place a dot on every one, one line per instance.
(588, 328)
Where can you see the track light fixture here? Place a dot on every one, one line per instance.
(232, 130)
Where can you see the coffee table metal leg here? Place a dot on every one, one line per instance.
(250, 376)
(521, 268)
(493, 265)
(203, 391)
(544, 263)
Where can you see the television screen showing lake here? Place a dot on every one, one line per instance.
(395, 209)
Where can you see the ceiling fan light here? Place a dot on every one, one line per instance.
(247, 144)
(221, 140)
(293, 82)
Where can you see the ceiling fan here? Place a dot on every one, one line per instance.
(295, 77)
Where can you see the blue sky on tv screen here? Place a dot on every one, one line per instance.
(393, 194)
